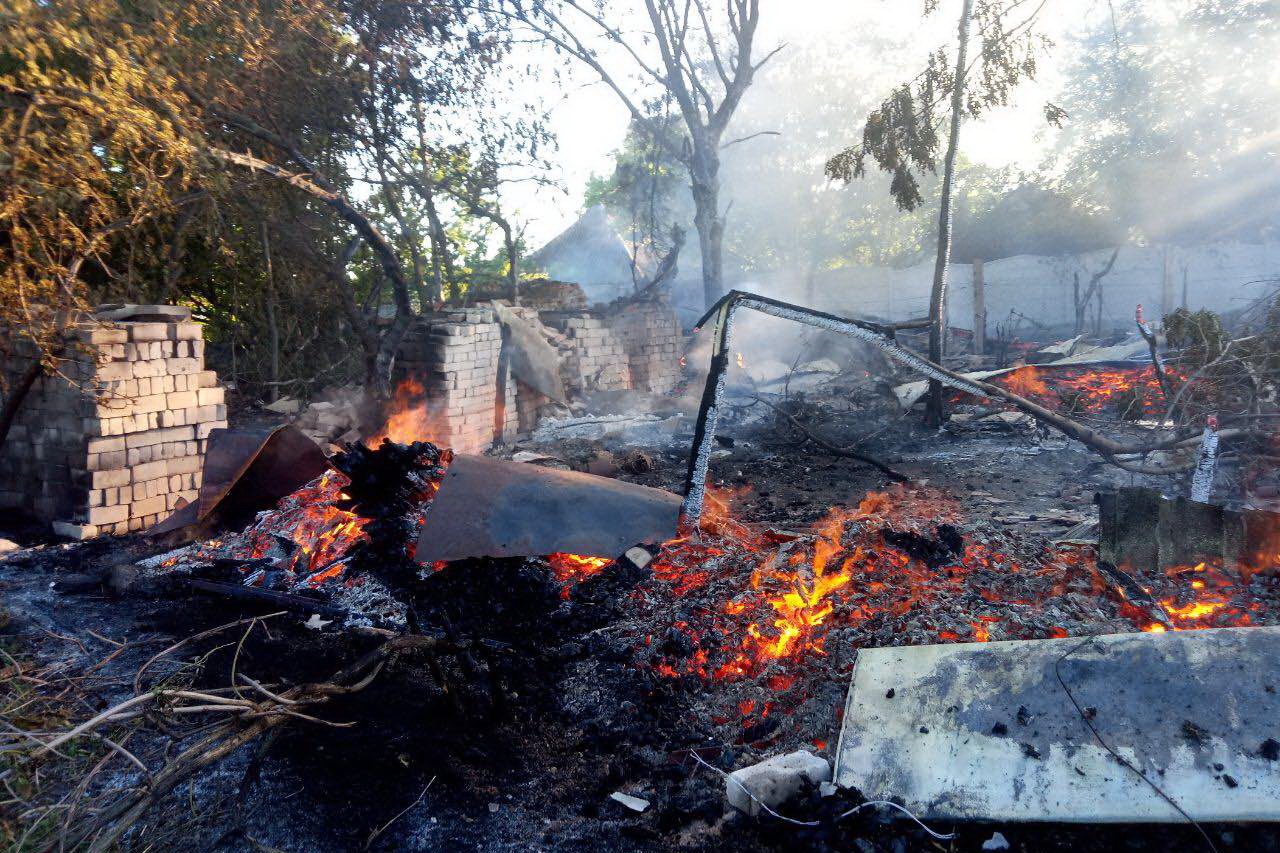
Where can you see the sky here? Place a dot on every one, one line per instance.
(590, 121)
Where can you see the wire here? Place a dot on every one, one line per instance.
(868, 804)
(1117, 756)
(938, 835)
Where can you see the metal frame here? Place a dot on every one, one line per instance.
(695, 485)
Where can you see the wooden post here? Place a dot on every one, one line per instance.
(979, 310)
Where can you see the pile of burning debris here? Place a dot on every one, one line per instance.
(763, 624)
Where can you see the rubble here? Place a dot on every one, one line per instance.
(636, 804)
(773, 782)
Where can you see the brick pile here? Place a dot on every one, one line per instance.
(650, 334)
(117, 450)
(594, 357)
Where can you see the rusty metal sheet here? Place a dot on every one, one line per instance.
(246, 471)
(497, 508)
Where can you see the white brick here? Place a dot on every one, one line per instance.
(100, 515)
(211, 396)
(75, 531)
(148, 331)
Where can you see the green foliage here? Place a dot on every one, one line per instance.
(1198, 335)
(902, 135)
(647, 188)
(109, 110)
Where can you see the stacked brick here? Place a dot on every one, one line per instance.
(454, 356)
(650, 333)
(595, 359)
(119, 449)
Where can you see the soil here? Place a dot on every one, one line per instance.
(581, 714)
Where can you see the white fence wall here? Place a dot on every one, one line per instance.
(1220, 276)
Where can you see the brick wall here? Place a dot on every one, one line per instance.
(594, 358)
(650, 334)
(454, 355)
(117, 449)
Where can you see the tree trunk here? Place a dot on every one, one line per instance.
(1075, 301)
(513, 272)
(938, 296)
(13, 402)
(441, 264)
(273, 326)
(704, 174)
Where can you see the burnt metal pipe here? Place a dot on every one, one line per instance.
(695, 485)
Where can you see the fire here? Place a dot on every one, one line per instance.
(570, 569)
(1095, 390)
(1025, 382)
(408, 418)
(1206, 604)
(320, 534)
(766, 607)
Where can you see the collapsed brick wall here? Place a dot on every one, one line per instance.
(454, 355)
(594, 358)
(115, 449)
(651, 336)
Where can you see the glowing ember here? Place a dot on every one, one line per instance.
(321, 534)
(1093, 390)
(569, 569)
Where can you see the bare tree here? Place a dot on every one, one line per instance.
(703, 63)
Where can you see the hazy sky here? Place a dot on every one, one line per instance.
(590, 121)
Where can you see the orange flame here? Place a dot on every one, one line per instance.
(408, 416)
(1025, 382)
(570, 569)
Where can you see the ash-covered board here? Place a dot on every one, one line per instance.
(986, 731)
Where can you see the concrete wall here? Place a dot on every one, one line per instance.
(1220, 276)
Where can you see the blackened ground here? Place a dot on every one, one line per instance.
(576, 719)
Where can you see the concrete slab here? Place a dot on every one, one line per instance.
(986, 731)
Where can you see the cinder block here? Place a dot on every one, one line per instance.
(150, 470)
(102, 335)
(148, 331)
(75, 531)
(211, 396)
(178, 366)
(150, 368)
(108, 479)
(100, 515)
(183, 465)
(159, 436)
(115, 371)
(150, 506)
(203, 430)
(185, 331)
